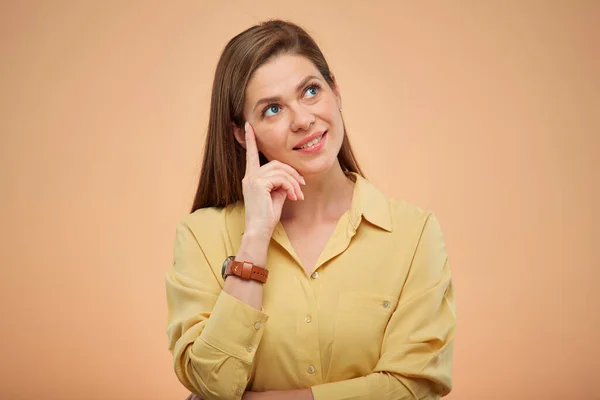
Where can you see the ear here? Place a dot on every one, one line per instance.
(239, 134)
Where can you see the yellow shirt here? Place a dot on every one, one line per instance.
(375, 320)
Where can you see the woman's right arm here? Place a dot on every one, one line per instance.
(265, 190)
(213, 333)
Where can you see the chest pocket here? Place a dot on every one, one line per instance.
(360, 323)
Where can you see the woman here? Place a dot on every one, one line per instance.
(294, 277)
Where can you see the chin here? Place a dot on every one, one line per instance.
(317, 167)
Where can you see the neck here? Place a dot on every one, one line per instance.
(326, 197)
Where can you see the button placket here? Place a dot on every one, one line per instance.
(308, 330)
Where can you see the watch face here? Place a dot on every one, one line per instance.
(227, 261)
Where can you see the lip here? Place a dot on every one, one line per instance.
(309, 138)
(316, 148)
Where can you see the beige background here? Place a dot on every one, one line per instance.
(486, 112)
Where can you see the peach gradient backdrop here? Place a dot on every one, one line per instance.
(486, 112)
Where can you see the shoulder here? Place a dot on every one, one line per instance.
(207, 233)
(415, 222)
(202, 216)
(409, 218)
(404, 212)
(209, 220)
(390, 213)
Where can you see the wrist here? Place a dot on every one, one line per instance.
(260, 234)
(254, 249)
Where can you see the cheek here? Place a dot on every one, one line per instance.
(331, 114)
(269, 139)
(329, 109)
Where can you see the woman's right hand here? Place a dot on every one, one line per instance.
(266, 188)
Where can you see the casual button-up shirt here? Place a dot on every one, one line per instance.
(374, 320)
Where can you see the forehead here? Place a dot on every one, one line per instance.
(279, 76)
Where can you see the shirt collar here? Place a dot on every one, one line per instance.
(367, 201)
(370, 202)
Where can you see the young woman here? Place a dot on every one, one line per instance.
(294, 277)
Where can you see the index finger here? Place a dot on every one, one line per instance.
(252, 160)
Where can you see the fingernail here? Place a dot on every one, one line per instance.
(246, 129)
(303, 181)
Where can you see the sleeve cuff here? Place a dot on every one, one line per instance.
(234, 327)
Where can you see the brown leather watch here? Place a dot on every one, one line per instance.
(243, 269)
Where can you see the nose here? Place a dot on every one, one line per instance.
(301, 119)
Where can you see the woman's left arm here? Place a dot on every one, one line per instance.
(416, 353)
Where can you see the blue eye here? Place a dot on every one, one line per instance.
(313, 90)
(273, 108)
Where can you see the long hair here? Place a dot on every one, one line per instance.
(224, 161)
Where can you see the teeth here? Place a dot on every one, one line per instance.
(312, 143)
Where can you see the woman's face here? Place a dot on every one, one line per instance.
(287, 100)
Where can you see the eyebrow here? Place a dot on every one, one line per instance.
(277, 98)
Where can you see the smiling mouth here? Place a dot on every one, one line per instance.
(312, 143)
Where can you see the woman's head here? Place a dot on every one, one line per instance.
(274, 76)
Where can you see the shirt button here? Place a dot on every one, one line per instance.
(386, 304)
(257, 326)
(315, 275)
(311, 369)
(308, 319)
(239, 390)
(249, 349)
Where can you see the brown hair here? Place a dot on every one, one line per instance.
(224, 162)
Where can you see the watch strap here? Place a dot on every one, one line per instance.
(247, 270)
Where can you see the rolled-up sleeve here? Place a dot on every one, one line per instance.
(416, 353)
(212, 336)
